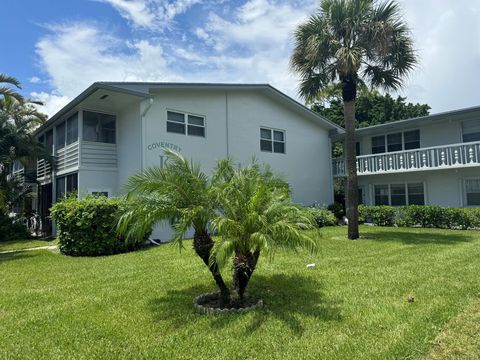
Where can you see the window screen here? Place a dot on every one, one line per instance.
(98, 127)
(398, 195)
(394, 142)
(411, 139)
(60, 134)
(378, 144)
(381, 195)
(416, 194)
(472, 190)
(72, 129)
(471, 130)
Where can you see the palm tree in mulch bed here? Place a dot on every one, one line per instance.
(248, 208)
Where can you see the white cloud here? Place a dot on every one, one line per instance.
(151, 14)
(447, 36)
(136, 11)
(253, 43)
(34, 80)
(76, 55)
(51, 102)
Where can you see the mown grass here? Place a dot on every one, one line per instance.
(25, 244)
(460, 338)
(353, 305)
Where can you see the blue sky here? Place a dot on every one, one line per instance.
(57, 48)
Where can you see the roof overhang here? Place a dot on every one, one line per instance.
(97, 96)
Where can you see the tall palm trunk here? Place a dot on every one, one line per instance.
(243, 267)
(203, 244)
(349, 92)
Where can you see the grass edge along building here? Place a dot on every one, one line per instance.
(113, 129)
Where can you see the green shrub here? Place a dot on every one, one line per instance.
(378, 215)
(87, 227)
(12, 228)
(323, 217)
(427, 216)
(337, 209)
(474, 217)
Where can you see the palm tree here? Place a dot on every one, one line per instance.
(256, 216)
(352, 42)
(182, 194)
(7, 91)
(17, 141)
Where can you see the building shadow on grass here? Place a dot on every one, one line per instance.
(287, 298)
(417, 238)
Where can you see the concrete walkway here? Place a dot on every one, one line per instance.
(51, 248)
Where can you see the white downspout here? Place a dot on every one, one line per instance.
(143, 114)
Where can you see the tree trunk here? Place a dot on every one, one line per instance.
(243, 267)
(349, 92)
(203, 244)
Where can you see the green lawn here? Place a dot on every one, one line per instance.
(352, 306)
(25, 244)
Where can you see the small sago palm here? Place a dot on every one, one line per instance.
(349, 42)
(256, 216)
(180, 193)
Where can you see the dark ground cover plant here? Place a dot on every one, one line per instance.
(87, 227)
(12, 228)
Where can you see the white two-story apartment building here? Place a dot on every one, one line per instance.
(432, 160)
(113, 130)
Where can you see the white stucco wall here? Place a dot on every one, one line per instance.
(97, 180)
(306, 164)
(129, 143)
(208, 149)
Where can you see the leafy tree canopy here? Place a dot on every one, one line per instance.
(372, 107)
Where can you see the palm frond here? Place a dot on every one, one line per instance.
(360, 39)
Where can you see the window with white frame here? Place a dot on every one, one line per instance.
(406, 140)
(472, 192)
(186, 124)
(272, 140)
(471, 130)
(399, 194)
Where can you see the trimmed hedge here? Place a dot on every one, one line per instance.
(87, 227)
(378, 215)
(431, 216)
(323, 217)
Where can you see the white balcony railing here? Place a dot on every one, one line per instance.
(437, 157)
